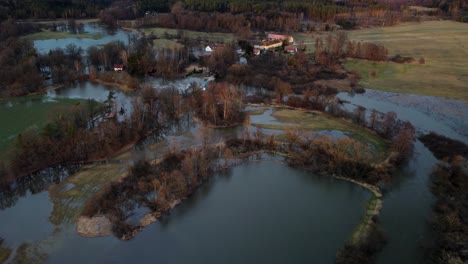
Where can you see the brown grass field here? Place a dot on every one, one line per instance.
(442, 44)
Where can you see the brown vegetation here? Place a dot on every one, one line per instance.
(156, 187)
(220, 105)
(450, 213)
(444, 147)
(365, 251)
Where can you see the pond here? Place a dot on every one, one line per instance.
(257, 212)
(44, 46)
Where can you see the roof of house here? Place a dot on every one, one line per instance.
(277, 36)
(290, 48)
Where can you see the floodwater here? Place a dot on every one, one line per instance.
(44, 46)
(407, 202)
(427, 113)
(95, 91)
(257, 212)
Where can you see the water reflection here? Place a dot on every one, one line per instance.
(427, 113)
(105, 36)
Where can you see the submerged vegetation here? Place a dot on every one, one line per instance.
(161, 185)
(86, 133)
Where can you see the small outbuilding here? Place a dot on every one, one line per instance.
(290, 49)
(118, 67)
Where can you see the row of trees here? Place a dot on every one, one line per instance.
(296, 70)
(338, 47)
(51, 9)
(449, 216)
(79, 133)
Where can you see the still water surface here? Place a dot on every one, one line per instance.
(258, 212)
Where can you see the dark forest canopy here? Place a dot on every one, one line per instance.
(51, 9)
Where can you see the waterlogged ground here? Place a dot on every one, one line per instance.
(94, 36)
(427, 113)
(408, 200)
(230, 215)
(277, 121)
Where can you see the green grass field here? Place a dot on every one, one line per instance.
(46, 34)
(17, 114)
(442, 44)
(166, 44)
(317, 121)
(208, 36)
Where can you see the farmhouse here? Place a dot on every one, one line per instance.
(289, 39)
(290, 49)
(270, 44)
(118, 67)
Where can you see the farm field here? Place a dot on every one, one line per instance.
(442, 44)
(17, 114)
(166, 44)
(209, 36)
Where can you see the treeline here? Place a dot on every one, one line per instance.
(51, 9)
(444, 147)
(241, 24)
(401, 134)
(297, 71)
(333, 49)
(449, 217)
(18, 59)
(449, 220)
(139, 58)
(80, 133)
(322, 10)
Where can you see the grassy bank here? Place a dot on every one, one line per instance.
(17, 114)
(70, 195)
(442, 44)
(317, 121)
(209, 36)
(46, 34)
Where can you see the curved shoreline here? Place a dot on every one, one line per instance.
(83, 225)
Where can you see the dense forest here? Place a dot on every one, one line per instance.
(125, 9)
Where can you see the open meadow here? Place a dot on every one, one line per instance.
(208, 36)
(442, 44)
